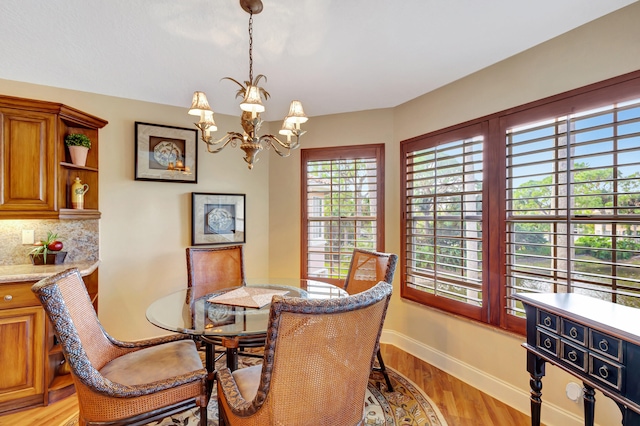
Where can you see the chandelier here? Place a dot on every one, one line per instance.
(251, 107)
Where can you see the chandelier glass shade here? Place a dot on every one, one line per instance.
(251, 106)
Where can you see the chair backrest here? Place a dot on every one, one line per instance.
(367, 268)
(318, 356)
(211, 269)
(86, 346)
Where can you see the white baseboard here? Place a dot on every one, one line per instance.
(497, 388)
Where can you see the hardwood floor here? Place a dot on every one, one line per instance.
(461, 404)
(56, 414)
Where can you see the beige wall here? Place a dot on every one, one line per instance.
(145, 226)
(490, 359)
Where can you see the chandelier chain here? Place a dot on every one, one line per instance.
(251, 47)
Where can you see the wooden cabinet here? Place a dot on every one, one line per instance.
(28, 153)
(33, 366)
(21, 382)
(36, 169)
(22, 322)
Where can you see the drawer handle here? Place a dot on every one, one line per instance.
(8, 297)
(604, 373)
(547, 321)
(547, 343)
(572, 356)
(573, 333)
(604, 345)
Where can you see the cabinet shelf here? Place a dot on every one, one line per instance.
(60, 382)
(61, 387)
(75, 167)
(79, 214)
(56, 349)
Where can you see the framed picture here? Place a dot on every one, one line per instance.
(166, 153)
(217, 218)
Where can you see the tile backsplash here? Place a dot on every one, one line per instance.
(80, 239)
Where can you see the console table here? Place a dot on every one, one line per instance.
(594, 340)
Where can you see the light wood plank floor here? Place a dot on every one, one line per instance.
(461, 404)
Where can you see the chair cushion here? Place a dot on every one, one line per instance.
(154, 363)
(248, 379)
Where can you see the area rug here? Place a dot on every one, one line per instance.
(407, 405)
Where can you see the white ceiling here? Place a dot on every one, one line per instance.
(333, 55)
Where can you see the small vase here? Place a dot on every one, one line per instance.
(78, 155)
(54, 258)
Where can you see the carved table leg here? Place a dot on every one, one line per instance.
(589, 404)
(535, 367)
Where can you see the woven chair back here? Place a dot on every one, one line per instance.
(318, 357)
(65, 299)
(211, 269)
(367, 268)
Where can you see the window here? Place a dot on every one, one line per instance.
(541, 198)
(573, 204)
(343, 208)
(443, 222)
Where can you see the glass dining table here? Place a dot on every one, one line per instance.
(230, 326)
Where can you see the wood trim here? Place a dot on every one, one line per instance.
(334, 153)
(445, 304)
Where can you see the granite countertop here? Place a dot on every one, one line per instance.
(28, 272)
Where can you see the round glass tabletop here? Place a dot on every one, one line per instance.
(202, 316)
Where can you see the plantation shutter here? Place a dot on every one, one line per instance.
(444, 221)
(573, 204)
(342, 192)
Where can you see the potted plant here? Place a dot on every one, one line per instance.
(79, 145)
(47, 251)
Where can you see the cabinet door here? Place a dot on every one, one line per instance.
(27, 149)
(21, 353)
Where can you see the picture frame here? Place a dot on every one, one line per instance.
(217, 218)
(165, 153)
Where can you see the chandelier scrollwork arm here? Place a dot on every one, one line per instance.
(277, 144)
(231, 138)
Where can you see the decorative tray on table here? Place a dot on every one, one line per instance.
(247, 297)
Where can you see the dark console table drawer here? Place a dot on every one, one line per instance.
(596, 341)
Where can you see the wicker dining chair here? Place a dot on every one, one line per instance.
(120, 383)
(366, 269)
(211, 269)
(316, 365)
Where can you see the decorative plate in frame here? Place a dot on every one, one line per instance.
(166, 153)
(217, 218)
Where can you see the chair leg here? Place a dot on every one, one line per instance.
(383, 369)
(203, 416)
(203, 402)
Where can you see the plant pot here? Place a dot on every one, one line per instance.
(78, 155)
(55, 258)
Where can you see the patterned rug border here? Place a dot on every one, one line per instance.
(419, 392)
